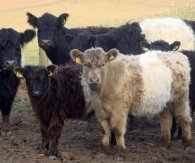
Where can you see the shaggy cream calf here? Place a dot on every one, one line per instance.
(144, 85)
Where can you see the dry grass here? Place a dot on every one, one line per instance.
(85, 12)
(82, 13)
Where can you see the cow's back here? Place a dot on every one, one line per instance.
(169, 29)
(146, 83)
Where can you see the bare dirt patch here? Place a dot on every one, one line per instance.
(80, 142)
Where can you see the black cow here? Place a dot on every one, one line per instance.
(57, 41)
(55, 93)
(11, 42)
(165, 46)
(159, 45)
(125, 38)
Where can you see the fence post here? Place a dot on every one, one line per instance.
(43, 60)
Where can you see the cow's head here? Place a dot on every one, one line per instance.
(48, 27)
(160, 45)
(11, 42)
(94, 63)
(37, 78)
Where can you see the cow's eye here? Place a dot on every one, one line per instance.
(85, 65)
(101, 65)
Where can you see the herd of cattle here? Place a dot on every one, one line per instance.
(114, 76)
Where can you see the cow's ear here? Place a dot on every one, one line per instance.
(111, 54)
(62, 19)
(145, 46)
(175, 46)
(19, 72)
(52, 69)
(32, 20)
(27, 36)
(76, 56)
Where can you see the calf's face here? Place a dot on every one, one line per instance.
(94, 63)
(11, 42)
(37, 78)
(160, 45)
(48, 27)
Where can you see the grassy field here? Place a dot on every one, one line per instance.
(88, 13)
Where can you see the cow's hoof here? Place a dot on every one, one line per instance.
(120, 156)
(42, 150)
(106, 149)
(120, 153)
(186, 142)
(52, 157)
(165, 142)
(5, 133)
(53, 152)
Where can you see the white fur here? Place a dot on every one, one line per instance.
(87, 95)
(169, 30)
(157, 85)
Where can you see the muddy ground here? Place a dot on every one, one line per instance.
(80, 142)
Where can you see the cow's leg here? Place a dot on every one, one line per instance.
(184, 122)
(112, 138)
(6, 104)
(55, 131)
(182, 114)
(166, 122)
(45, 137)
(193, 113)
(179, 136)
(119, 129)
(5, 110)
(106, 134)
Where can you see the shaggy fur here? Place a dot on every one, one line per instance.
(165, 46)
(143, 85)
(61, 96)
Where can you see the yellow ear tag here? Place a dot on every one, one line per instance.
(78, 60)
(50, 74)
(175, 48)
(19, 75)
(111, 57)
(145, 49)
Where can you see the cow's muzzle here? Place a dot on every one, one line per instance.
(10, 64)
(46, 44)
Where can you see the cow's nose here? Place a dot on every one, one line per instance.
(10, 63)
(36, 92)
(46, 43)
(94, 80)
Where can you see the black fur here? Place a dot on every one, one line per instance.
(125, 38)
(11, 42)
(53, 99)
(62, 40)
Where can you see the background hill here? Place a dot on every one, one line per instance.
(89, 13)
